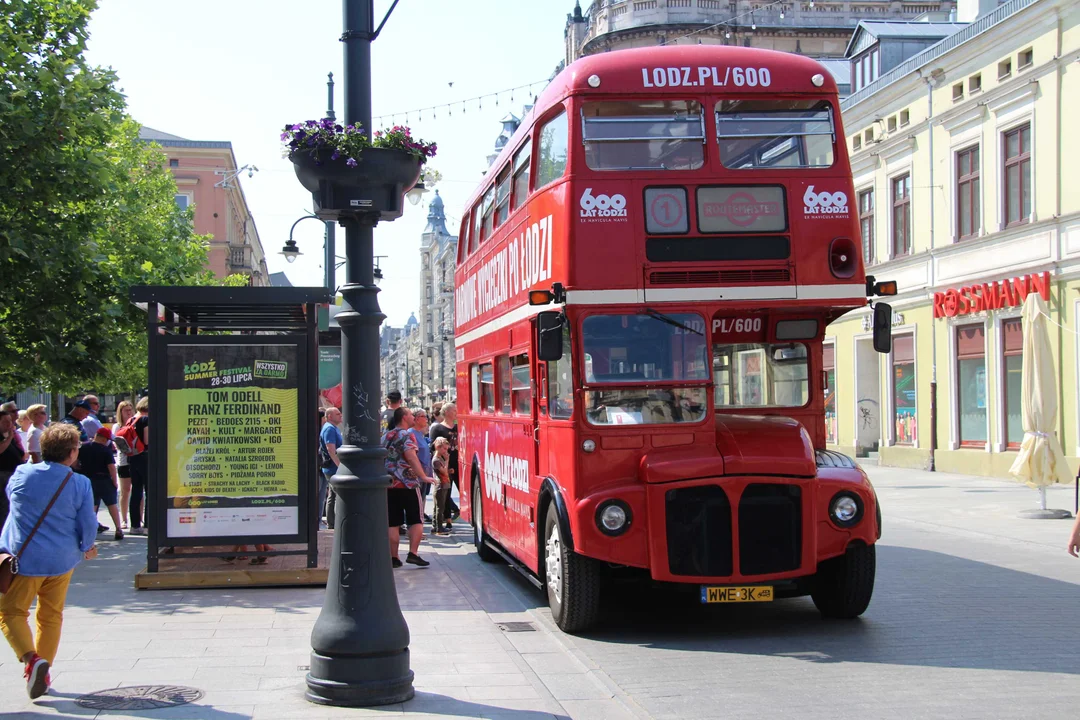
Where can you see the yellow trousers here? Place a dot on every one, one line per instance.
(51, 592)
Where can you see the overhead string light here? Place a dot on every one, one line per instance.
(725, 24)
(464, 102)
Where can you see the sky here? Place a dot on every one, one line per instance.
(239, 70)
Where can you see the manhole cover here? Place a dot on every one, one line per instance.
(140, 697)
(517, 627)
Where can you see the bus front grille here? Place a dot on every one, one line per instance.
(770, 529)
(699, 531)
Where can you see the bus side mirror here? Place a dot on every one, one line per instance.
(883, 327)
(549, 335)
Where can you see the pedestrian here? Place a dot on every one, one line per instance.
(423, 451)
(78, 413)
(442, 492)
(38, 414)
(23, 423)
(448, 429)
(330, 440)
(12, 408)
(403, 496)
(98, 462)
(91, 423)
(59, 503)
(11, 457)
(139, 462)
(124, 413)
(393, 402)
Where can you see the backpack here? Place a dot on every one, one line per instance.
(130, 438)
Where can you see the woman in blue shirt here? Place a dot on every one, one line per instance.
(66, 537)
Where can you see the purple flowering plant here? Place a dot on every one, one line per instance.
(327, 140)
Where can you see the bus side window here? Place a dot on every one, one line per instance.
(502, 369)
(474, 236)
(521, 389)
(463, 246)
(561, 381)
(521, 174)
(474, 386)
(554, 145)
(487, 388)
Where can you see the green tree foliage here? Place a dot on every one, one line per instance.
(87, 211)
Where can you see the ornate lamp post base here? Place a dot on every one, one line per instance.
(388, 680)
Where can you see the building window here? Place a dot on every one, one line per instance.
(971, 384)
(975, 84)
(958, 91)
(1017, 175)
(866, 69)
(905, 118)
(520, 386)
(891, 123)
(901, 229)
(1012, 350)
(856, 142)
(866, 225)
(828, 362)
(1025, 59)
(182, 201)
(521, 174)
(173, 162)
(868, 135)
(967, 193)
(903, 389)
(1004, 69)
(554, 145)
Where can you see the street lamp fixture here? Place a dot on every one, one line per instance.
(416, 193)
(291, 251)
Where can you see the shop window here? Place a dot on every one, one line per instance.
(967, 193)
(828, 362)
(903, 389)
(561, 380)
(1017, 175)
(487, 387)
(971, 384)
(520, 388)
(502, 369)
(901, 199)
(1012, 349)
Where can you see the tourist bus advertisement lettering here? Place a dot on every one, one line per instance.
(232, 454)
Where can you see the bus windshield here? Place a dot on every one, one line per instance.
(642, 348)
(775, 133)
(760, 375)
(644, 135)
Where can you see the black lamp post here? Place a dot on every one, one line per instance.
(360, 643)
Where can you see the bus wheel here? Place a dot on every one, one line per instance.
(573, 581)
(843, 585)
(486, 553)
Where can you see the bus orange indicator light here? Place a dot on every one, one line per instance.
(885, 288)
(540, 297)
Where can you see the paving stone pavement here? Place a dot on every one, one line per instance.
(970, 619)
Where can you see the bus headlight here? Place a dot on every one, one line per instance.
(613, 517)
(845, 510)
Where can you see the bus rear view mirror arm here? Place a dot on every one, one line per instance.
(549, 334)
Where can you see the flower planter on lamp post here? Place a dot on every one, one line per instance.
(376, 182)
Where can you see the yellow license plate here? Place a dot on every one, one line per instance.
(736, 594)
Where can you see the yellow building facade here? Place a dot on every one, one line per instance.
(967, 182)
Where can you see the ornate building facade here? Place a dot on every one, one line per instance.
(817, 29)
(438, 253)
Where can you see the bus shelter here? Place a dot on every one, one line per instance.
(232, 452)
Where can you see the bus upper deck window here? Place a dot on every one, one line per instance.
(775, 133)
(554, 146)
(644, 135)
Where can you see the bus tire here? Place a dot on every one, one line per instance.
(843, 585)
(485, 553)
(572, 580)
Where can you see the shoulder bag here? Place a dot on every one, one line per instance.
(9, 564)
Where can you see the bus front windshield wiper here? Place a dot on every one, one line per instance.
(656, 314)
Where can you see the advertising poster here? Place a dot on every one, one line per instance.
(233, 459)
(330, 377)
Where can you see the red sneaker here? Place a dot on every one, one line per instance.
(37, 676)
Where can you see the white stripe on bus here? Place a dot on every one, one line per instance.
(847, 291)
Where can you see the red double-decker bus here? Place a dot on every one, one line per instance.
(643, 283)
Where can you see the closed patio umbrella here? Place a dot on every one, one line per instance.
(1040, 462)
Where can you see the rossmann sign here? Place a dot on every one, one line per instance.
(990, 296)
